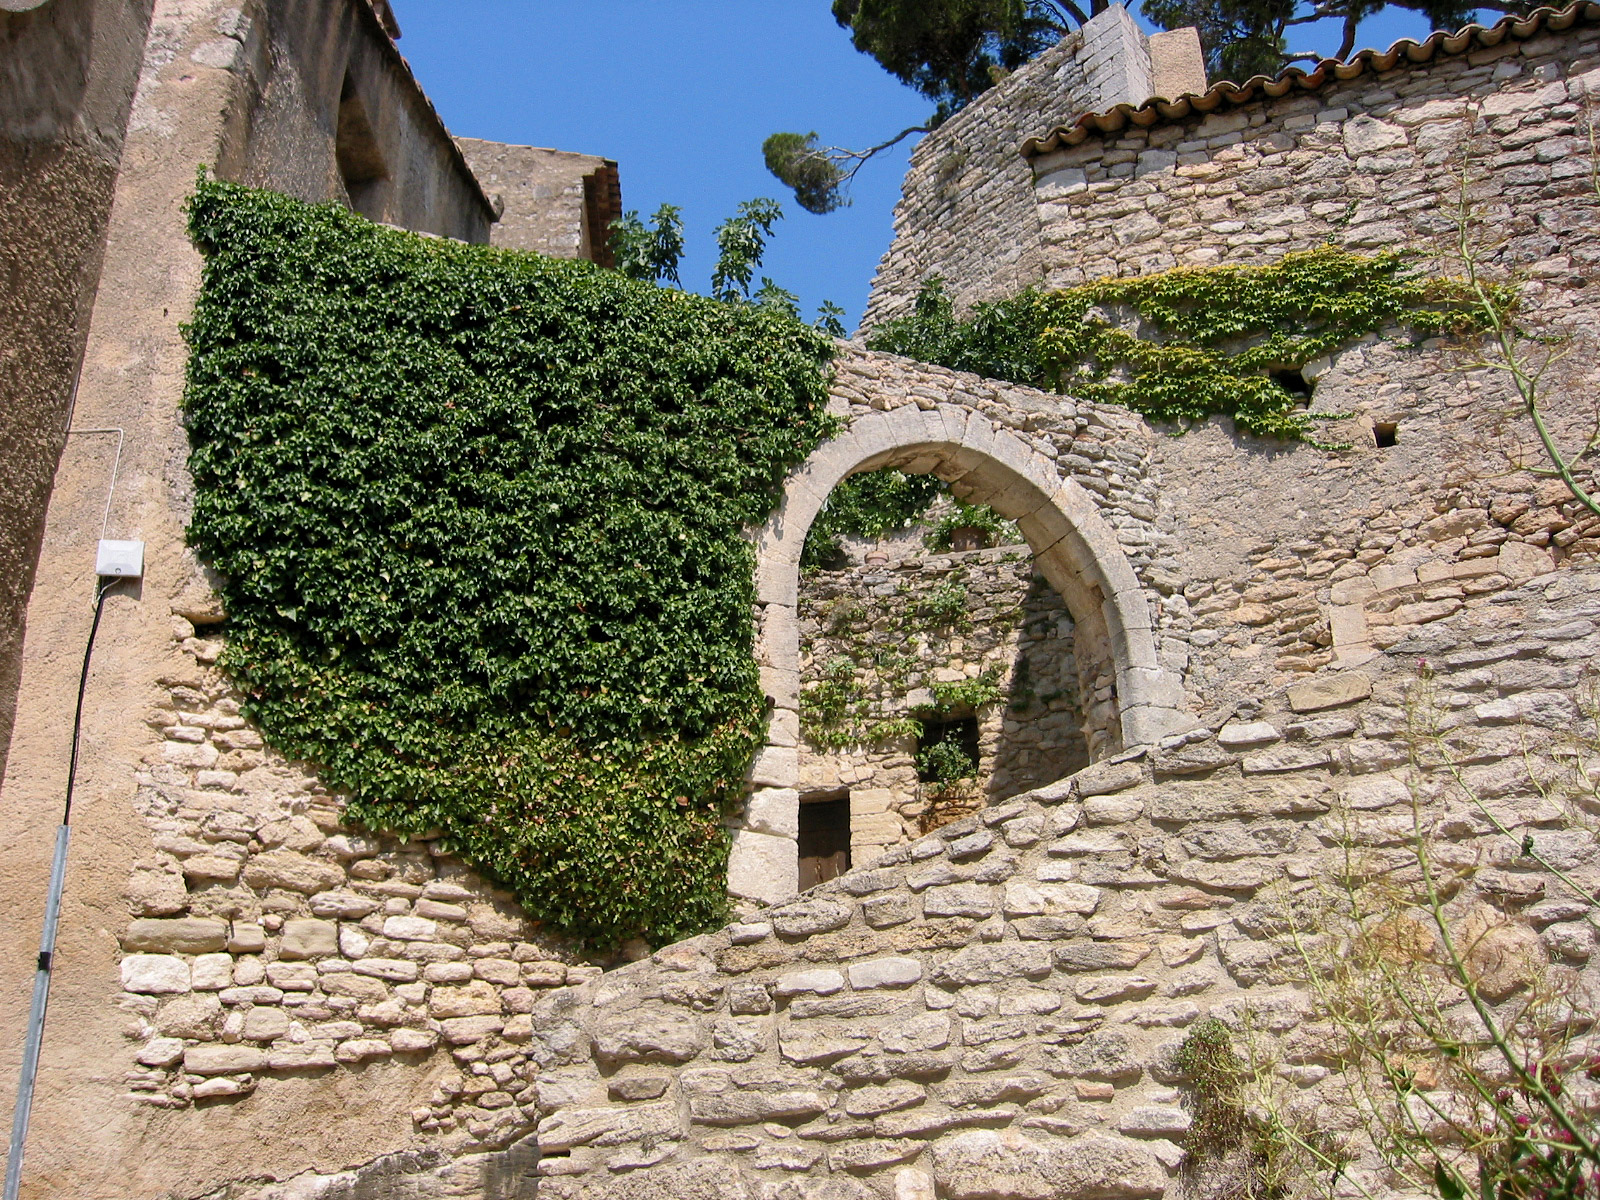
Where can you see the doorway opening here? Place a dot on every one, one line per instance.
(824, 837)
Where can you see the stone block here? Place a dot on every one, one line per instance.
(292, 872)
(160, 1052)
(1329, 691)
(212, 972)
(763, 867)
(1106, 778)
(1253, 733)
(463, 1031)
(813, 915)
(155, 974)
(958, 900)
(1156, 1120)
(985, 1164)
(773, 810)
(223, 1060)
(820, 982)
(884, 973)
(995, 963)
(264, 1024)
(181, 935)
(309, 938)
(649, 1034)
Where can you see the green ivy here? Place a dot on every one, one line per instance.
(869, 505)
(1185, 344)
(478, 515)
(998, 530)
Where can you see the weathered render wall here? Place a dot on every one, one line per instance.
(939, 618)
(67, 74)
(966, 212)
(555, 202)
(250, 89)
(311, 66)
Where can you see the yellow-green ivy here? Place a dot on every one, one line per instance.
(1188, 343)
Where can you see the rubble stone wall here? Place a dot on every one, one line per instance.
(940, 619)
(554, 202)
(995, 1009)
(966, 212)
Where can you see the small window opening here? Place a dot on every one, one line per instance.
(1292, 382)
(361, 164)
(948, 750)
(824, 837)
(1385, 433)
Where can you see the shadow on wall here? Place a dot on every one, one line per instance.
(1043, 733)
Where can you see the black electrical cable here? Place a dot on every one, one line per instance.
(83, 683)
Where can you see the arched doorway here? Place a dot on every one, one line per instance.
(1073, 547)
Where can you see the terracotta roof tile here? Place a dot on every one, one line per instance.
(1229, 95)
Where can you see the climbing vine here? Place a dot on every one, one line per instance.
(889, 642)
(478, 518)
(1184, 344)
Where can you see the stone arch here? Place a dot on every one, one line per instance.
(1074, 548)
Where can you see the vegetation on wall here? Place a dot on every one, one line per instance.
(869, 505)
(1185, 344)
(893, 641)
(478, 516)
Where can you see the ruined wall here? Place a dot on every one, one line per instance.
(995, 1010)
(966, 212)
(67, 74)
(555, 202)
(1295, 558)
(937, 618)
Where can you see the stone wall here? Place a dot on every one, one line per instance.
(938, 618)
(1323, 557)
(995, 1010)
(325, 93)
(554, 202)
(966, 212)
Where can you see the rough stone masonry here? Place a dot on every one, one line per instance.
(256, 1001)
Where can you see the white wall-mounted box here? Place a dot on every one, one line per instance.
(119, 560)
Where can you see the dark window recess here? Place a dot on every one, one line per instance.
(1386, 433)
(361, 163)
(1292, 382)
(824, 837)
(943, 746)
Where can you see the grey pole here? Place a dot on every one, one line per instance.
(41, 997)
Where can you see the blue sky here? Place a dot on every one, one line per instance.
(681, 94)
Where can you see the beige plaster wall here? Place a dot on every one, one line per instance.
(67, 73)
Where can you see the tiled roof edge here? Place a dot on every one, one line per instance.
(1227, 94)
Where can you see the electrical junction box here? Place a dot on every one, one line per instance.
(119, 560)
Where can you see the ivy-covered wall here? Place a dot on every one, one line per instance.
(891, 653)
(479, 518)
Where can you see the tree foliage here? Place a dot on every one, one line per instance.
(953, 50)
(1242, 38)
(868, 505)
(478, 515)
(649, 253)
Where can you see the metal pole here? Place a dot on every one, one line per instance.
(41, 997)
